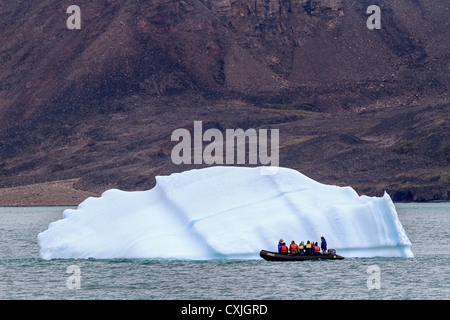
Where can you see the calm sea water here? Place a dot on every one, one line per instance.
(23, 275)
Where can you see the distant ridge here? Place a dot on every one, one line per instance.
(360, 107)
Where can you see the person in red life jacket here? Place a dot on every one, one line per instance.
(293, 248)
(316, 248)
(284, 248)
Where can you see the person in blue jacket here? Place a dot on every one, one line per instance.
(301, 248)
(323, 244)
(280, 243)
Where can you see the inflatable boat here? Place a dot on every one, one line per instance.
(275, 256)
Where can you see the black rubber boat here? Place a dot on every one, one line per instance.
(275, 256)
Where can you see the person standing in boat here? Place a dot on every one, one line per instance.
(323, 244)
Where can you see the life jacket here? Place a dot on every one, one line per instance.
(284, 249)
(316, 249)
(294, 247)
(308, 248)
(300, 249)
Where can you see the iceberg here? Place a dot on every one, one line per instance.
(225, 212)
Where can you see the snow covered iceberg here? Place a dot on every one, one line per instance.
(226, 212)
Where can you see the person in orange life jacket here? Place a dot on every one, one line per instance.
(308, 248)
(301, 248)
(293, 248)
(284, 248)
(316, 248)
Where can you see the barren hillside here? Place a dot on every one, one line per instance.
(97, 106)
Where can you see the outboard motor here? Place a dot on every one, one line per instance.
(332, 251)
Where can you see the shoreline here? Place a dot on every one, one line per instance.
(76, 205)
(46, 194)
(63, 194)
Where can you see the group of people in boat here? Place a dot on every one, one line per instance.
(309, 248)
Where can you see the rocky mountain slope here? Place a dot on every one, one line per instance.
(97, 106)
